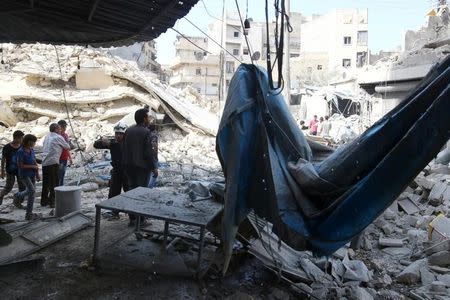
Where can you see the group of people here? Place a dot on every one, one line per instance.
(19, 163)
(134, 155)
(316, 126)
(134, 160)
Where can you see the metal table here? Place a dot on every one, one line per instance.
(161, 204)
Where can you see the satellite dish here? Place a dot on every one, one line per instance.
(256, 55)
(199, 56)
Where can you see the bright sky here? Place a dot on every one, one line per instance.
(388, 19)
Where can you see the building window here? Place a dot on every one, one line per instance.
(236, 34)
(199, 90)
(346, 63)
(245, 51)
(361, 59)
(319, 67)
(235, 51)
(229, 66)
(362, 38)
(347, 40)
(198, 71)
(348, 19)
(214, 84)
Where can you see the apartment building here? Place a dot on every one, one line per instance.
(144, 54)
(194, 67)
(335, 42)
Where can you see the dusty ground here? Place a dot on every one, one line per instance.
(132, 269)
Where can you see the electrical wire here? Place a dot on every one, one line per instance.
(215, 42)
(187, 39)
(243, 28)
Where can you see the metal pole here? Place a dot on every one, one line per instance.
(222, 56)
(287, 53)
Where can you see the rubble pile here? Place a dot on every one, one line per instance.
(404, 254)
(343, 129)
(43, 80)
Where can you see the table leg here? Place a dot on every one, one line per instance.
(200, 250)
(97, 233)
(166, 233)
(138, 224)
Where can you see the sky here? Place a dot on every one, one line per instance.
(388, 19)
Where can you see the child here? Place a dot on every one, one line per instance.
(9, 164)
(28, 173)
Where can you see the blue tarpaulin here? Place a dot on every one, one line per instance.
(270, 167)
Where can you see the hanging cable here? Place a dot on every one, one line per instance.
(243, 28)
(215, 42)
(187, 39)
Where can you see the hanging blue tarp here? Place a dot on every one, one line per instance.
(270, 167)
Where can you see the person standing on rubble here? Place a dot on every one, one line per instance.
(54, 144)
(9, 164)
(65, 154)
(153, 153)
(326, 127)
(28, 171)
(137, 157)
(118, 179)
(313, 124)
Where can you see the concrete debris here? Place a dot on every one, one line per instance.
(438, 287)
(439, 228)
(411, 274)
(426, 276)
(356, 270)
(440, 259)
(97, 87)
(385, 242)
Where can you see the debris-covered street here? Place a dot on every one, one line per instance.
(326, 176)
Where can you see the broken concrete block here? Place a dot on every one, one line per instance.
(385, 242)
(426, 276)
(387, 229)
(424, 183)
(436, 196)
(438, 287)
(389, 214)
(359, 293)
(441, 259)
(397, 251)
(411, 274)
(439, 228)
(445, 279)
(356, 270)
(440, 270)
(313, 272)
(89, 187)
(408, 206)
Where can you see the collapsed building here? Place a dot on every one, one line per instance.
(404, 253)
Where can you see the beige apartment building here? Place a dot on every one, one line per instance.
(332, 45)
(194, 67)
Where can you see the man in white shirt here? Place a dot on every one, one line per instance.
(54, 144)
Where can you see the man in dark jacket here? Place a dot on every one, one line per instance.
(137, 155)
(118, 180)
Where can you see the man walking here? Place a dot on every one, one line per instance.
(9, 165)
(65, 154)
(137, 157)
(54, 144)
